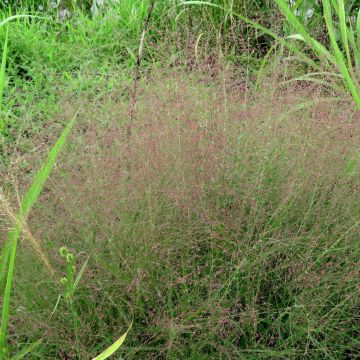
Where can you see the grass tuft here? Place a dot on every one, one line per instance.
(206, 198)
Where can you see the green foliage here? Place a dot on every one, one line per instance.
(70, 285)
(265, 241)
(2, 77)
(4, 23)
(112, 348)
(8, 254)
(333, 59)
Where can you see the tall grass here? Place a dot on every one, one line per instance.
(229, 224)
(3, 62)
(343, 53)
(222, 224)
(332, 60)
(8, 254)
(2, 76)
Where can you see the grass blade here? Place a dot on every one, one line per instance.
(79, 275)
(298, 26)
(56, 306)
(344, 32)
(354, 47)
(13, 17)
(340, 62)
(335, 57)
(3, 76)
(262, 67)
(9, 251)
(358, 29)
(115, 346)
(315, 80)
(26, 350)
(4, 262)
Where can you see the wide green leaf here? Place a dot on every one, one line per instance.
(115, 346)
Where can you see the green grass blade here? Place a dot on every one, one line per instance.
(79, 275)
(352, 164)
(33, 193)
(56, 306)
(358, 30)
(298, 26)
(115, 346)
(28, 349)
(344, 32)
(3, 76)
(293, 21)
(262, 67)
(9, 252)
(14, 17)
(4, 262)
(355, 47)
(310, 78)
(335, 4)
(339, 56)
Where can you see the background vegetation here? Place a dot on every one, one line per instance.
(184, 170)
